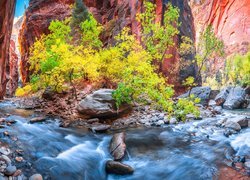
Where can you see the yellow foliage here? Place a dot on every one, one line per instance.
(23, 91)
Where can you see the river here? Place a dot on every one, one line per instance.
(195, 150)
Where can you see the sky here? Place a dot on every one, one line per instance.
(20, 7)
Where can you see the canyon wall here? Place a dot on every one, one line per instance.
(230, 20)
(113, 14)
(7, 8)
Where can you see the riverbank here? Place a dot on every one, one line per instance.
(196, 149)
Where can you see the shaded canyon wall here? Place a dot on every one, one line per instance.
(7, 8)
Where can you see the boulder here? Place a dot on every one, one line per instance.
(235, 98)
(114, 167)
(10, 170)
(100, 128)
(232, 125)
(100, 104)
(117, 146)
(211, 103)
(222, 96)
(241, 120)
(200, 92)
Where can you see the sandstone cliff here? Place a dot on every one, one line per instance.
(7, 8)
(113, 14)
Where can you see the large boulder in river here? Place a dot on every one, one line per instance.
(100, 104)
(203, 93)
(235, 98)
(222, 96)
(117, 146)
(114, 167)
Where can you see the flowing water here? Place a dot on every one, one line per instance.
(194, 150)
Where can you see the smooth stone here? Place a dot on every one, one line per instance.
(36, 177)
(6, 159)
(10, 170)
(232, 125)
(173, 121)
(114, 167)
(241, 120)
(222, 96)
(37, 119)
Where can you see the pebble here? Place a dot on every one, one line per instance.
(19, 159)
(36, 177)
(6, 159)
(17, 173)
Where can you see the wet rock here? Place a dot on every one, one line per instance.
(100, 128)
(159, 123)
(17, 173)
(114, 167)
(247, 164)
(36, 177)
(117, 146)
(232, 125)
(200, 92)
(100, 104)
(229, 132)
(211, 103)
(222, 96)
(19, 159)
(173, 120)
(235, 98)
(241, 120)
(6, 159)
(37, 119)
(217, 109)
(5, 151)
(92, 121)
(10, 170)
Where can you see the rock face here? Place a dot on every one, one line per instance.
(200, 92)
(114, 15)
(230, 21)
(7, 8)
(13, 70)
(100, 104)
(36, 21)
(235, 98)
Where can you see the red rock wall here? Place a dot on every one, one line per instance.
(13, 70)
(230, 20)
(7, 8)
(113, 14)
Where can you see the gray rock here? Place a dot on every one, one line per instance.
(222, 96)
(241, 120)
(159, 123)
(235, 98)
(211, 103)
(94, 120)
(117, 146)
(10, 170)
(100, 104)
(232, 125)
(36, 177)
(6, 159)
(37, 119)
(100, 128)
(213, 94)
(173, 120)
(200, 92)
(114, 167)
(218, 109)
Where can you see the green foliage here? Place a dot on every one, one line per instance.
(209, 46)
(186, 106)
(155, 37)
(238, 70)
(80, 13)
(122, 94)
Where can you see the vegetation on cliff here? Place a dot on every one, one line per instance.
(56, 61)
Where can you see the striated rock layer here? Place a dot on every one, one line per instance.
(230, 20)
(113, 14)
(7, 8)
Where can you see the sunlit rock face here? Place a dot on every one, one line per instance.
(36, 21)
(113, 14)
(7, 8)
(230, 20)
